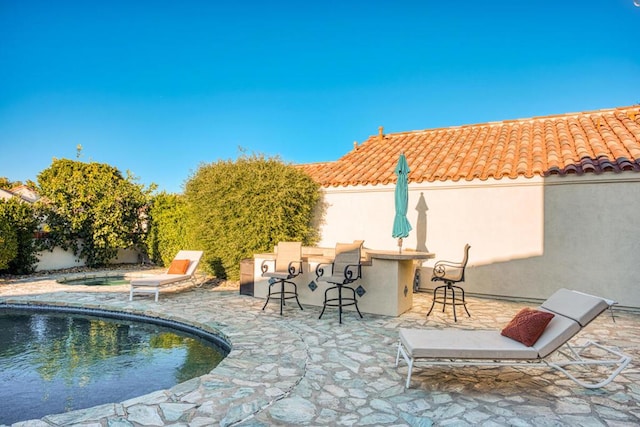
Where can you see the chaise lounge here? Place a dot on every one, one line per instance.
(182, 268)
(557, 320)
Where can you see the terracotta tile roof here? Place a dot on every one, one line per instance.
(575, 143)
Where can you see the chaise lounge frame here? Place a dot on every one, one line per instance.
(572, 311)
(152, 284)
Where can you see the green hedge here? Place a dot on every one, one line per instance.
(238, 208)
(23, 223)
(167, 228)
(8, 240)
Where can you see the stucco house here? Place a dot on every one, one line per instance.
(545, 202)
(21, 192)
(26, 193)
(6, 194)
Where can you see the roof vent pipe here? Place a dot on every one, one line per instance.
(380, 133)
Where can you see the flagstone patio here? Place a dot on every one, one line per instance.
(298, 370)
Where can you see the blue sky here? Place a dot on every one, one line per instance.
(160, 87)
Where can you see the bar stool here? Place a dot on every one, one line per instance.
(345, 269)
(450, 272)
(287, 265)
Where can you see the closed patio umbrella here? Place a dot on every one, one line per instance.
(401, 226)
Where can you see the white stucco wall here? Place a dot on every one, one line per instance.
(59, 259)
(5, 195)
(529, 237)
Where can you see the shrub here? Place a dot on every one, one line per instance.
(167, 228)
(92, 209)
(22, 219)
(8, 241)
(238, 208)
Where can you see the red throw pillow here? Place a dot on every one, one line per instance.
(178, 266)
(527, 326)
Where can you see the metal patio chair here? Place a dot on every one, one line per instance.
(345, 269)
(286, 266)
(450, 273)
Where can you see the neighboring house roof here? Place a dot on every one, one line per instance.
(5, 194)
(575, 143)
(22, 192)
(26, 193)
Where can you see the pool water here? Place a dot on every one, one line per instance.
(97, 281)
(57, 362)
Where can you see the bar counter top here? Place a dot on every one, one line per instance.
(326, 255)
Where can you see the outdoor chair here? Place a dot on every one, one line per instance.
(531, 340)
(345, 269)
(450, 272)
(182, 268)
(286, 266)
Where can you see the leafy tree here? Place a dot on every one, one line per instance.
(92, 209)
(23, 220)
(167, 231)
(8, 240)
(6, 184)
(235, 209)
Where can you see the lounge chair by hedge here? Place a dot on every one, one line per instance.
(182, 268)
(530, 340)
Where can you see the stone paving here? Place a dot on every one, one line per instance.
(299, 370)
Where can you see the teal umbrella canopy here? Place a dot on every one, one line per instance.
(401, 226)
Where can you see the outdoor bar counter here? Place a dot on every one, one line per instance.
(387, 279)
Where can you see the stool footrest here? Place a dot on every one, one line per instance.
(449, 299)
(282, 294)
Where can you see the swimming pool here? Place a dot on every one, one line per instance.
(57, 359)
(92, 280)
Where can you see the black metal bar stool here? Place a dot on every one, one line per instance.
(287, 265)
(450, 272)
(345, 269)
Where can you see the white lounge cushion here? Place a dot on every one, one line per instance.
(159, 279)
(578, 306)
(558, 331)
(463, 344)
